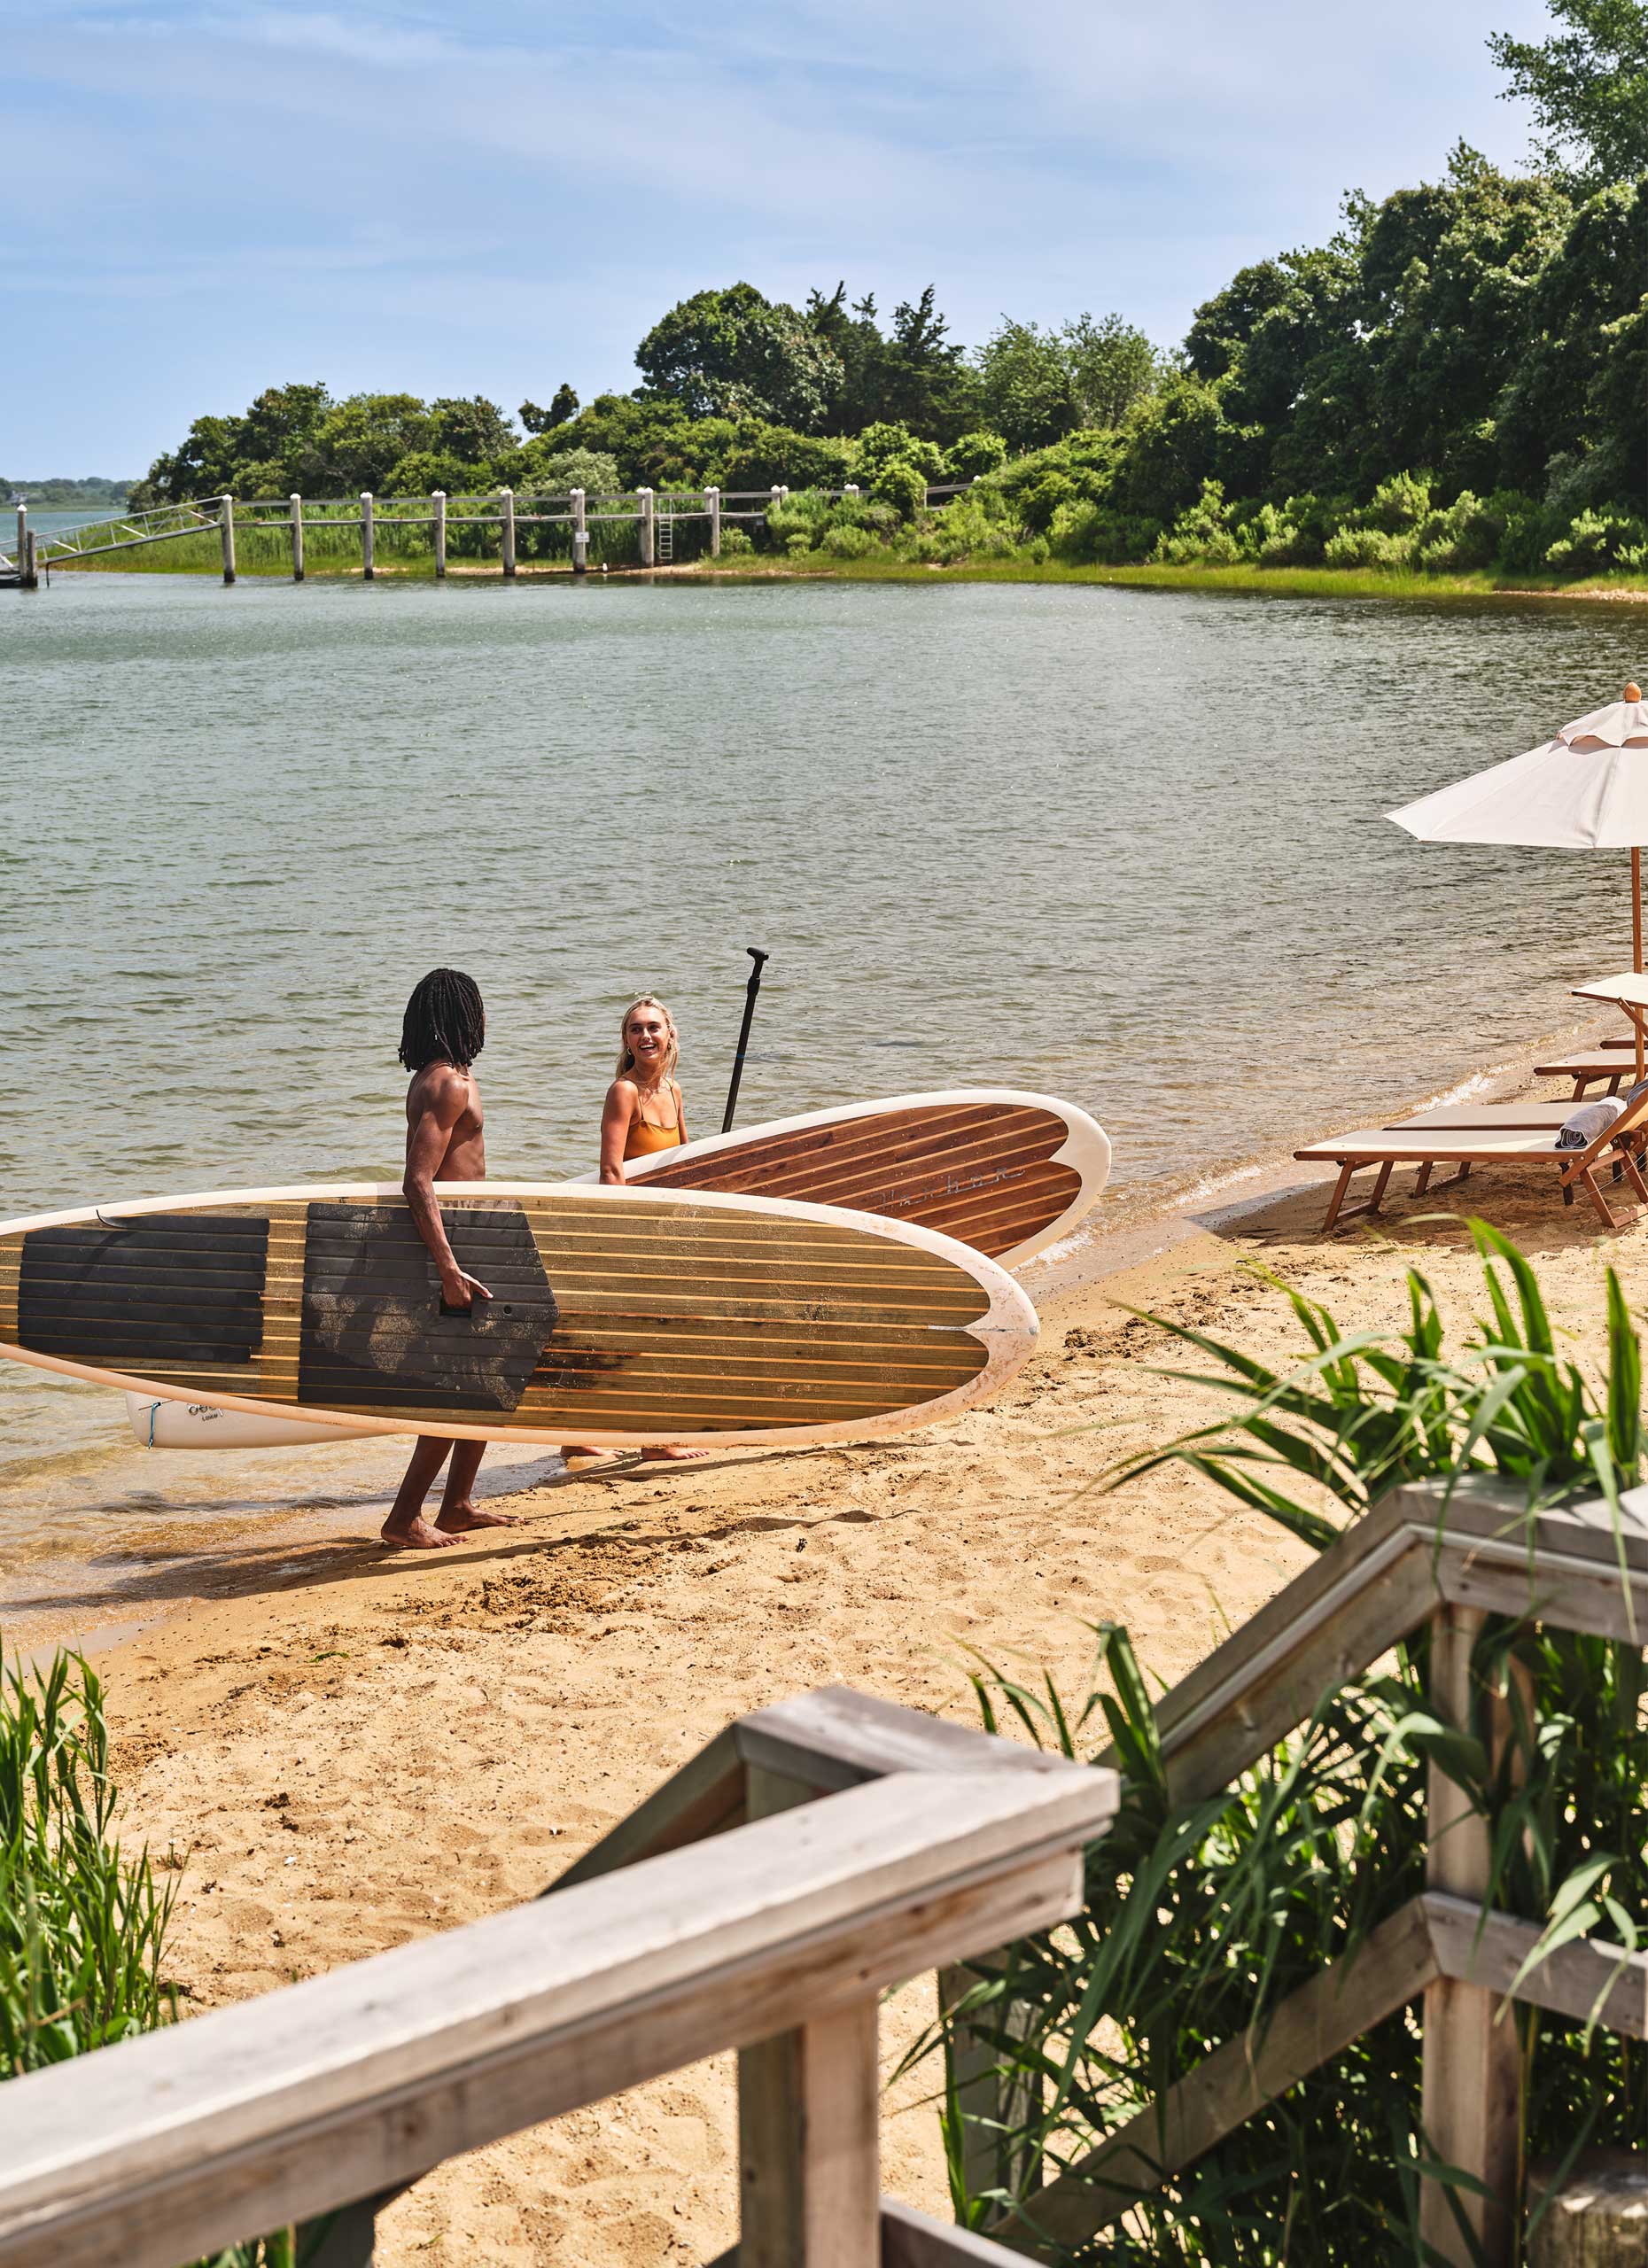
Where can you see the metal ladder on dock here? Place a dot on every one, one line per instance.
(664, 539)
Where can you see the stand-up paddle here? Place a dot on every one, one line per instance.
(750, 989)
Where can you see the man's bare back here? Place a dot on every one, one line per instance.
(445, 1141)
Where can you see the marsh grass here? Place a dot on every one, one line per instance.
(83, 1921)
(1200, 1918)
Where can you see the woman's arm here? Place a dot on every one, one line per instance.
(680, 1111)
(620, 1105)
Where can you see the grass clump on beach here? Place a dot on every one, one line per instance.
(1202, 1916)
(83, 1923)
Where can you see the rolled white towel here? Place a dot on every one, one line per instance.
(1587, 1120)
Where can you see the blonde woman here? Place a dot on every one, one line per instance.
(643, 1113)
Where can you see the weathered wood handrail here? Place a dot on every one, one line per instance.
(783, 1930)
(506, 511)
(1425, 1554)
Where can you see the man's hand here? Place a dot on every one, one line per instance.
(457, 1290)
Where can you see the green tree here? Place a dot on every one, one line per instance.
(359, 442)
(474, 432)
(737, 353)
(922, 380)
(1587, 86)
(563, 406)
(1038, 385)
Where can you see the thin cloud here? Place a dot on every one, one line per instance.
(497, 197)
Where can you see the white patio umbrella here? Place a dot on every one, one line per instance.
(1585, 791)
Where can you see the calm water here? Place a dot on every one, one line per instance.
(1127, 846)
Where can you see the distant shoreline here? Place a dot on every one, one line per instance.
(1243, 581)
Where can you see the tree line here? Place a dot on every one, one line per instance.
(1458, 378)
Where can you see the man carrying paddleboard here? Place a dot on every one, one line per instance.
(443, 1032)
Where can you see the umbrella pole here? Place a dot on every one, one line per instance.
(1637, 918)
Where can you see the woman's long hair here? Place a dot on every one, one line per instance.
(671, 1046)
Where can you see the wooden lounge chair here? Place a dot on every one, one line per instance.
(1612, 1060)
(1482, 1134)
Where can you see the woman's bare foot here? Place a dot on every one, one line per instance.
(460, 1520)
(415, 1535)
(671, 1455)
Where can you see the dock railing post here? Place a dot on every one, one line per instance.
(712, 505)
(1472, 2076)
(22, 534)
(28, 567)
(506, 497)
(297, 539)
(226, 534)
(367, 567)
(851, 489)
(580, 533)
(643, 504)
(438, 523)
(809, 2105)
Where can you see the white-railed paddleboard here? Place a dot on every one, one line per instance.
(1005, 1171)
(619, 1316)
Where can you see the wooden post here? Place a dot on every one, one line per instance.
(226, 535)
(851, 489)
(439, 502)
(28, 572)
(809, 2105)
(367, 569)
(1473, 2069)
(506, 497)
(712, 505)
(1598, 2215)
(22, 534)
(643, 501)
(581, 534)
(297, 539)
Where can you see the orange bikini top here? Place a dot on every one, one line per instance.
(643, 1141)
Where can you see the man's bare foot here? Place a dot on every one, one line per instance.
(671, 1455)
(417, 1535)
(460, 1520)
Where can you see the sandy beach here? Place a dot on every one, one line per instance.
(355, 1748)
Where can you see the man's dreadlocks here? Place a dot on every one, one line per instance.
(443, 1021)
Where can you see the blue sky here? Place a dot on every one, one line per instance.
(496, 197)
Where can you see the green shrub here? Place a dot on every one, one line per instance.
(1399, 503)
(1597, 541)
(886, 443)
(974, 454)
(1202, 535)
(847, 542)
(734, 541)
(81, 1925)
(1465, 536)
(903, 485)
(1367, 548)
(1089, 534)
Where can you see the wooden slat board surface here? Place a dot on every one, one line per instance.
(1006, 1172)
(675, 1315)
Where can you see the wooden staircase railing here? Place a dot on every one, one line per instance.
(774, 1936)
(1421, 1555)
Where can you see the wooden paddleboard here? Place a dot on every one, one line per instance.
(1006, 1172)
(619, 1316)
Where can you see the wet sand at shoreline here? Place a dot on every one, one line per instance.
(387, 1745)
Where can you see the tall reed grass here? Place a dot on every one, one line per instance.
(83, 1921)
(1200, 1918)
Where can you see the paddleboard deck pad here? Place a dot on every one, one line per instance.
(1006, 1172)
(619, 1316)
